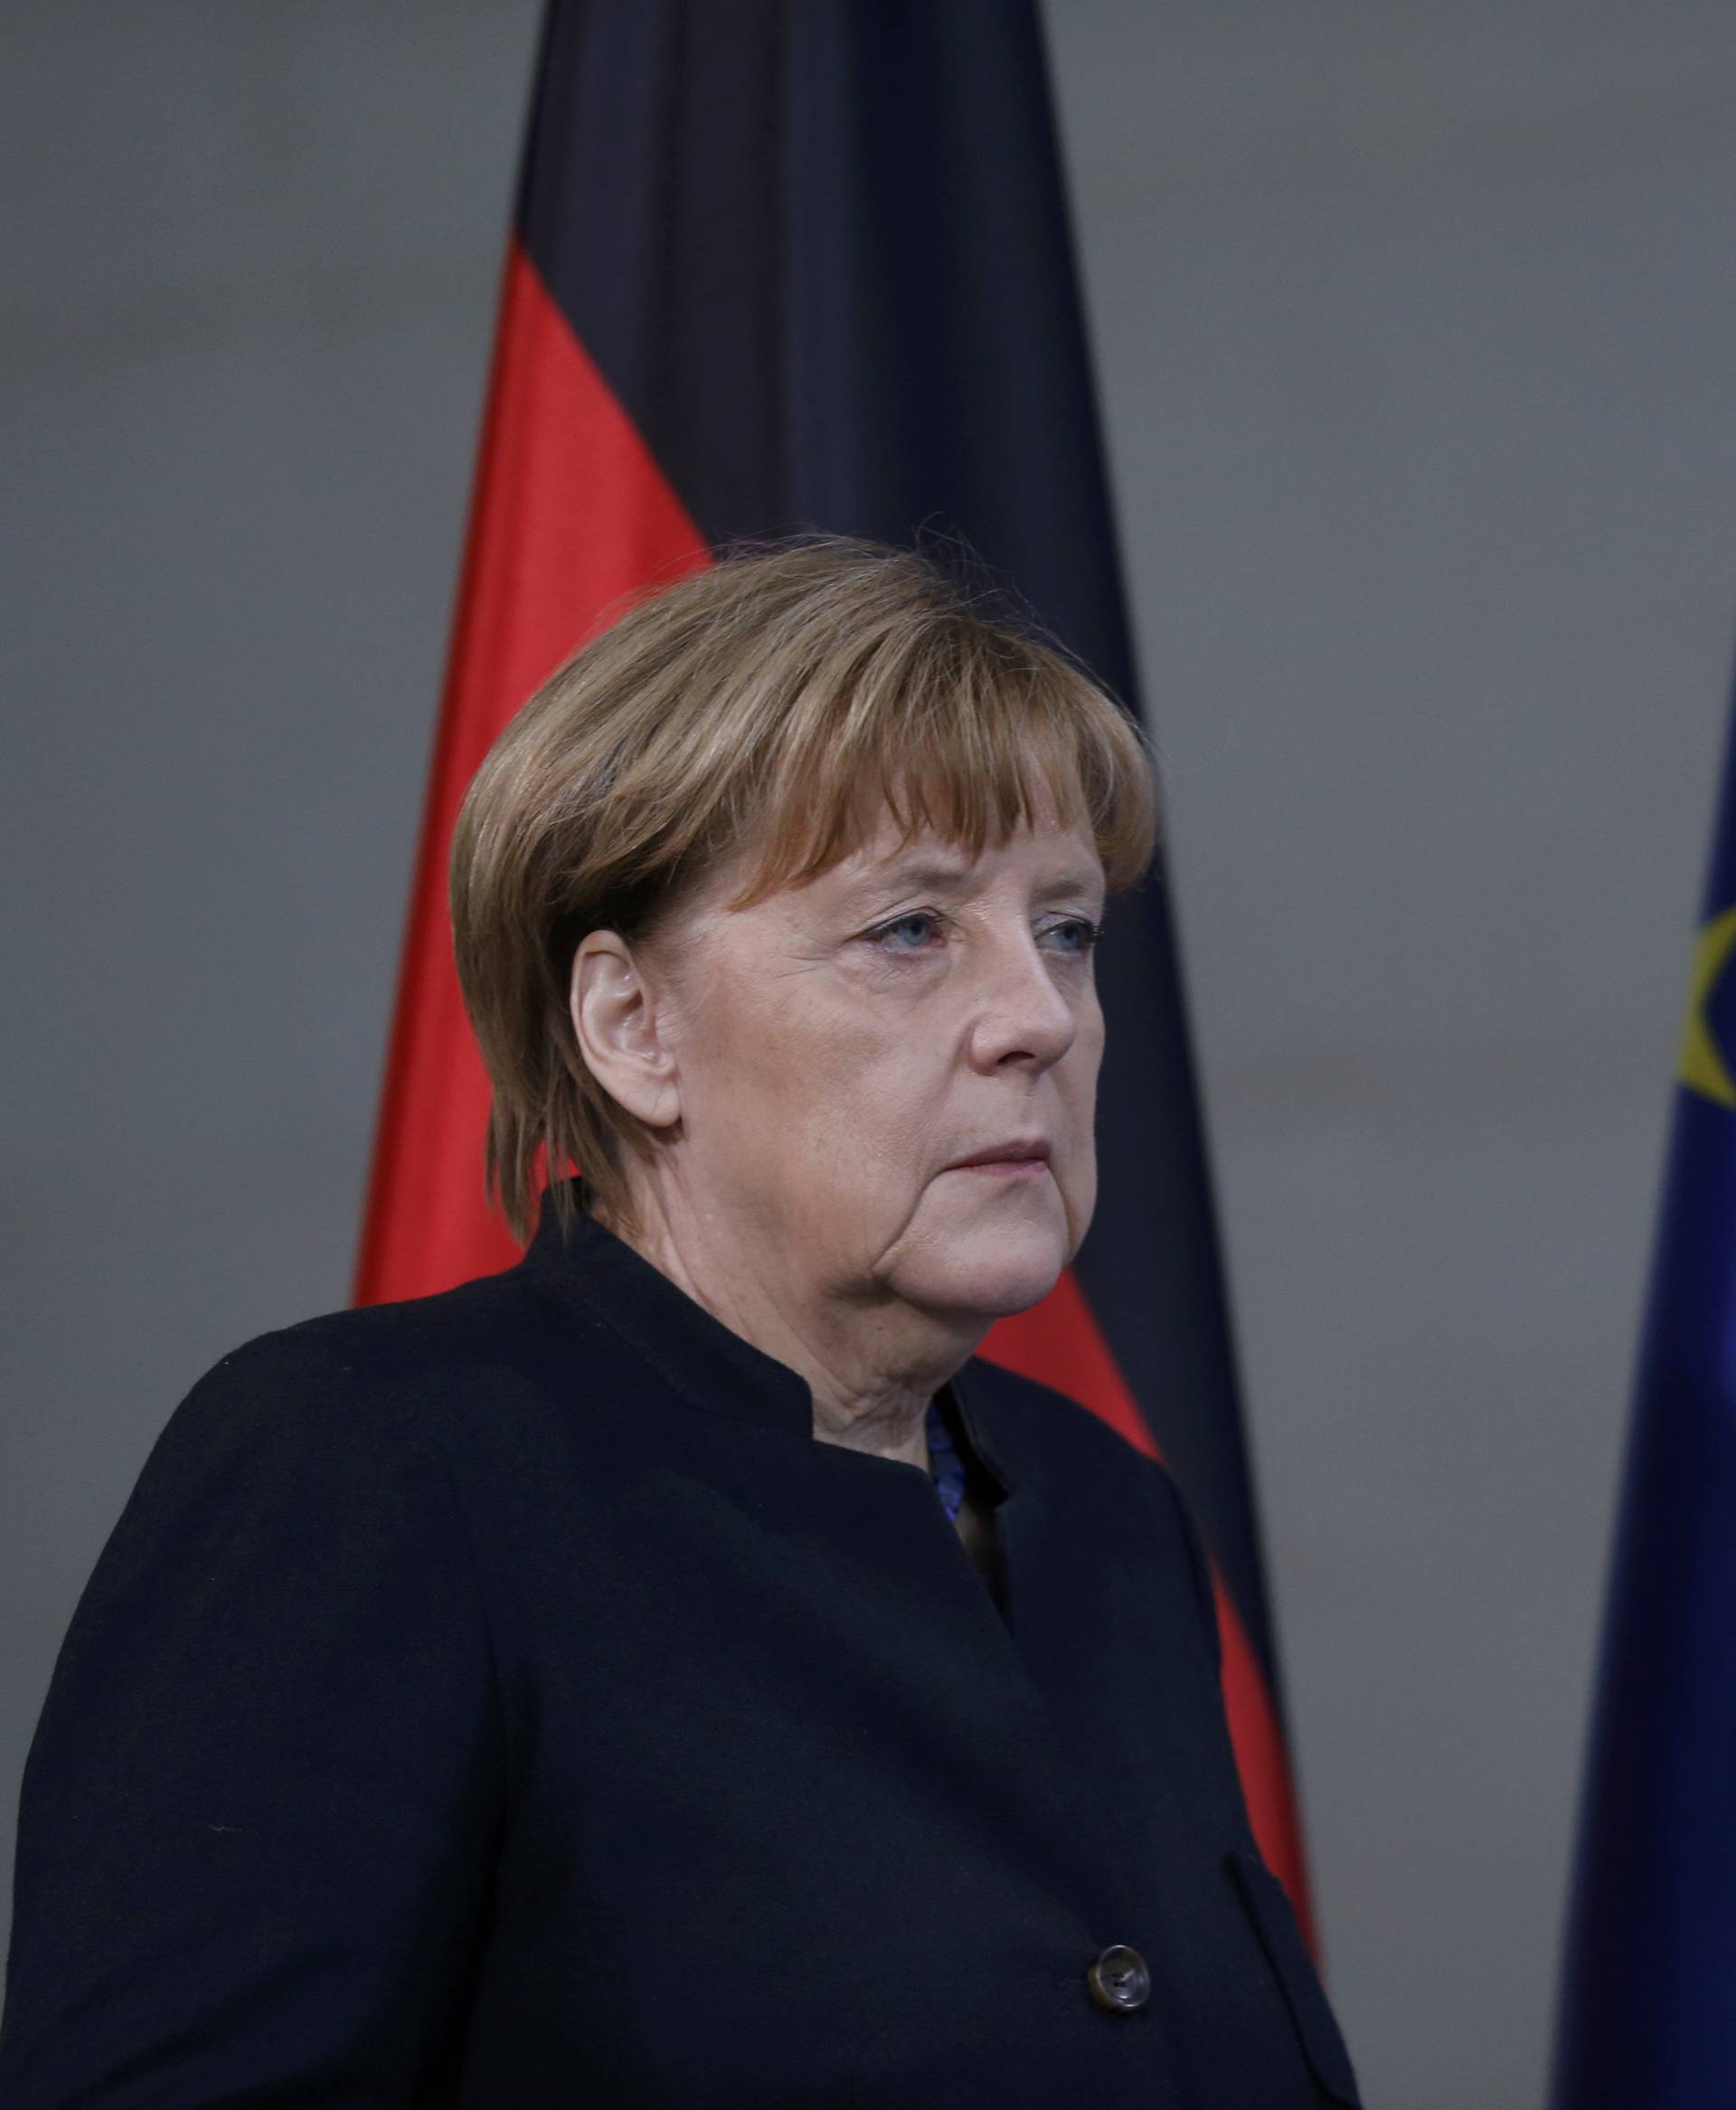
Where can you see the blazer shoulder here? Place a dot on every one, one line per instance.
(374, 1395)
(473, 1323)
(421, 1355)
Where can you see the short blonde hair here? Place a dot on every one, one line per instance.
(780, 701)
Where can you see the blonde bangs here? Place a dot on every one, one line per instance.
(953, 734)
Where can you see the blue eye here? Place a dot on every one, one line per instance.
(922, 917)
(916, 932)
(1086, 935)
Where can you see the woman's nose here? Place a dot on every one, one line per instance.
(1022, 1012)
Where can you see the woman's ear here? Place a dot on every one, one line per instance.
(616, 1017)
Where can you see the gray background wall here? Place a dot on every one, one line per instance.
(1414, 326)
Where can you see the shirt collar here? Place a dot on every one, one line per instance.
(710, 1365)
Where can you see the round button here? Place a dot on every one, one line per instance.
(1119, 1979)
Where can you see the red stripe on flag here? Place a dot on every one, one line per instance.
(1058, 1343)
(569, 517)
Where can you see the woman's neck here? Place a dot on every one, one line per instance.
(872, 1365)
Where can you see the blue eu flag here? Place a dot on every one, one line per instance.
(1648, 2000)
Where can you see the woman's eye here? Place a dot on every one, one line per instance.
(893, 934)
(916, 932)
(1080, 932)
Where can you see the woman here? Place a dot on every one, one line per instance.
(569, 1689)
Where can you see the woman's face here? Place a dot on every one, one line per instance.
(840, 1047)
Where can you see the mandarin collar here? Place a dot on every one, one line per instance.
(711, 1366)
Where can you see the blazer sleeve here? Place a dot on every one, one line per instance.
(258, 1814)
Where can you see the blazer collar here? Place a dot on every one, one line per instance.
(709, 1364)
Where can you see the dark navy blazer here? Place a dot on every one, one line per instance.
(503, 1699)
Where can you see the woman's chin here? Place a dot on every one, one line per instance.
(994, 1277)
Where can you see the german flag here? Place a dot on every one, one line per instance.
(804, 264)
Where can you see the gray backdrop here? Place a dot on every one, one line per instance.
(1414, 324)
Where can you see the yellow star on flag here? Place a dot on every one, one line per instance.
(1701, 1066)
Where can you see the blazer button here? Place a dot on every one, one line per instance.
(1119, 1979)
